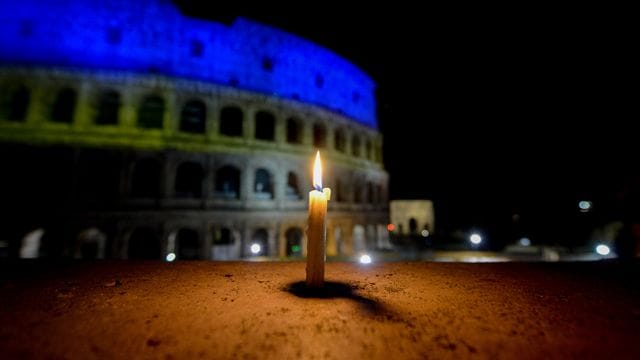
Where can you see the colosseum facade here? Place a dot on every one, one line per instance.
(201, 154)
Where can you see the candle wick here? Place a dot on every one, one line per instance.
(319, 188)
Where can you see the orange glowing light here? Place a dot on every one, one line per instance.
(317, 173)
(391, 227)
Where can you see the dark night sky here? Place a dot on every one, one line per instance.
(491, 118)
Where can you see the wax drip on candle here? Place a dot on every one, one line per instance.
(317, 173)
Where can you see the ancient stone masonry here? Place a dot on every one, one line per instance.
(200, 151)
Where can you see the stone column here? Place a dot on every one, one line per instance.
(306, 132)
(171, 112)
(128, 109)
(212, 121)
(271, 241)
(279, 185)
(330, 137)
(249, 124)
(282, 241)
(237, 242)
(246, 240)
(83, 112)
(39, 110)
(246, 182)
(280, 129)
(347, 141)
(207, 240)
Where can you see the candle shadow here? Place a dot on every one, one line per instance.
(332, 290)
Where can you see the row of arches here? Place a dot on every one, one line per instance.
(227, 183)
(188, 243)
(144, 243)
(151, 111)
(189, 179)
(228, 243)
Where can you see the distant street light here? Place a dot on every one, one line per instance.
(603, 250)
(585, 206)
(255, 249)
(475, 239)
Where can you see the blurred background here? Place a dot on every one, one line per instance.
(162, 130)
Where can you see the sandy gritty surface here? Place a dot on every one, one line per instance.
(261, 311)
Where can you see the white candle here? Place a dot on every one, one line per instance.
(317, 228)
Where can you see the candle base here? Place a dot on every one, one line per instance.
(315, 279)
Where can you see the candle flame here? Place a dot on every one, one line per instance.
(317, 173)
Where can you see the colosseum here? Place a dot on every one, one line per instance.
(129, 130)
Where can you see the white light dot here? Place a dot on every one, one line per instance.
(425, 233)
(585, 205)
(603, 249)
(365, 259)
(255, 248)
(475, 239)
(170, 257)
(525, 241)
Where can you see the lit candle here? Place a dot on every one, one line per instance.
(316, 231)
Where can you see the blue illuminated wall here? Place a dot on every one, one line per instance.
(152, 36)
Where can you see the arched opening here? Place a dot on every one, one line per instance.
(17, 103)
(193, 117)
(355, 145)
(359, 241)
(144, 243)
(145, 182)
(368, 150)
(265, 125)
(151, 112)
(222, 236)
(189, 180)
(91, 244)
(319, 135)
(231, 121)
(31, 242)
(294, 133)
(340, 140)
(46, 242)
(294, 241)
(64, 106)
(188, 244)
(413, 226)
(227, 182)
(293, 190)
(259, 245)
(263, 186)
(108, 108)
(223, 244)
